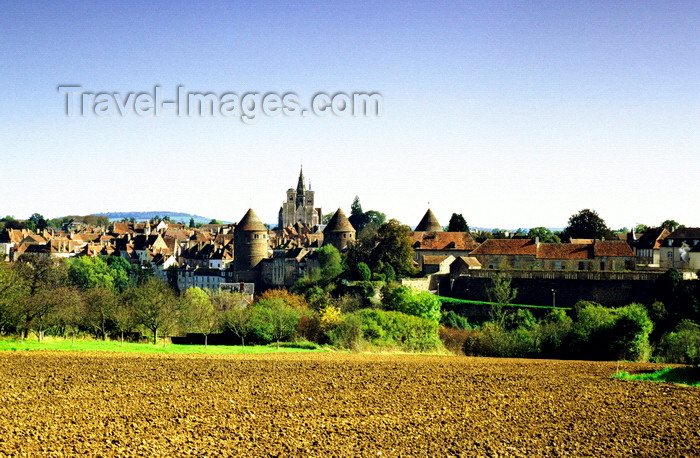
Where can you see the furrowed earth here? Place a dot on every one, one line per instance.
(336, 405)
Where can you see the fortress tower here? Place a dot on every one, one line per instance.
(250, 243)
(339, 231)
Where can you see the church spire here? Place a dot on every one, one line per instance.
(300, 184)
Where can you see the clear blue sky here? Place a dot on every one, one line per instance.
(514, 114)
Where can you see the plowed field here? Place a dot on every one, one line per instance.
(336, 405)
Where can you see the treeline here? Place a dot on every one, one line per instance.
(106, 297)
(37, 222)
(666, 331)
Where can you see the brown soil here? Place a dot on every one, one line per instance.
(336, 405)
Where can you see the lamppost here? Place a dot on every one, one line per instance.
(554, 297)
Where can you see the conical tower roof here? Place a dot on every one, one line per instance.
(250, 222)
(301, 188)
(429, 223)
(339, 223)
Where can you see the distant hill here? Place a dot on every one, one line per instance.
(146, 216)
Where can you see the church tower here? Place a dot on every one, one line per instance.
(299, 206)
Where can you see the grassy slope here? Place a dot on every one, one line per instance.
(689, 376)
(453, 300)
(128, 347)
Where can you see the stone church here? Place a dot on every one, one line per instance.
(299, 207)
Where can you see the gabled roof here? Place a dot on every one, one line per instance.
(435, 260)
(523, 247)
(339, 223)
(612, 248)
(686, 233)
(652, 238)
(469, 261)
(442, 241)
(563, 251)
(250, 223)
(429, 223)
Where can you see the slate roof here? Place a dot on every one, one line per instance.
(652, 238)
(686, 233)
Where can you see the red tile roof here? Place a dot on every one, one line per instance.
(612, 248)
(523, 247)
(563, 251)
(442, 241)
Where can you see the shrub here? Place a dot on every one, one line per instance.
(411, 302)
(452, 320)
(388, 330)
(552, 332)
(601, 333)
(494, 340)
(682, 346)
(453, 339)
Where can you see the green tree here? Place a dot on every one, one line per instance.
(670, 225)
(100, 306)
(680, 301)
(357, 217)
(124, 315)
(191, 225)
(70, 310)
(375, 217)
(215, 221)
(39, 279)
(586, 224)
(122, 272)
(155, 307)
(545, 235)
(394, 248)
(501, 294)
(363, 272)
(330, 262)
(87, 272)
(11, 292)
(406, 300)
(38, 222)
(199, 313)
(273, 320)
(237, 319)
(457, 223)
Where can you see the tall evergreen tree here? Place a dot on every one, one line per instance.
(457, 223)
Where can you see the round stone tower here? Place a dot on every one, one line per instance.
(339, 231)
(250, 243)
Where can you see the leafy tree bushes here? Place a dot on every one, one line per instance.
(372, 328)
(273, 320)
(411, 302)
(682, 345)
(586, 224)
